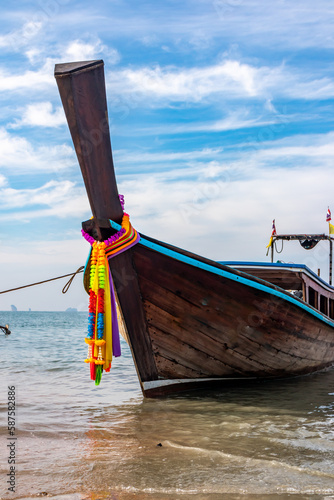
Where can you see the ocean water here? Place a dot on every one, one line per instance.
(75, 440)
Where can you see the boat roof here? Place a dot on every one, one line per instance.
(290, 273)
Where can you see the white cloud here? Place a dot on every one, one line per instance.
(147, 157)
(233, 121)
(226, 213)
(42, 79)
(194, 25)
(311, 152)
(52, 192)
(232, 79)
(46, 254)
(18, 155)
(191, 84)
(41, 114)
(16, 39)
(28, 80)
(43, 260)
(232, 164)
(78, 50)
(55, 198)
(309, 149)
(3, 181)
(226, 80)
(34, 54)
(247, 190)
(284, 24)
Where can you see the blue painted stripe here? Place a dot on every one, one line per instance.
(277, 265)
(233, 277)
(87, 261)
(267, 264)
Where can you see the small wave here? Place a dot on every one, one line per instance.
(66, 496)
(247, 460)
(224, 489)
(315, 444)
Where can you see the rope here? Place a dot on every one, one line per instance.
(65, 289)
(69, 283)
(275, 242)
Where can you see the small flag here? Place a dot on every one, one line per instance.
(331, 228)
(270, 242)
(328, 216)
(273, 233)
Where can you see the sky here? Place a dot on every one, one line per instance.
(221, 120)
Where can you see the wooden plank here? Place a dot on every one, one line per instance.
(280, 340)
(191, 341)
(82, 90)
(185, 354)
(230, 345)
(168, 367)
(126, 283)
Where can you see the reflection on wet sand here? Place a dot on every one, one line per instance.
(261, 440)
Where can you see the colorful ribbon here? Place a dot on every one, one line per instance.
(103, 332)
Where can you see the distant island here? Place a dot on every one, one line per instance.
(13, 308)
(71, 309)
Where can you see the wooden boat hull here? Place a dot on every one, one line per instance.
(207, 324)
(189, 321)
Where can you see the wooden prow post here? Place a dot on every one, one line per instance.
(82, 90)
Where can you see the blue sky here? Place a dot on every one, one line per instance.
(221, 117)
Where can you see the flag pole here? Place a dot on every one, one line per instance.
(273, 234)
(330, 259)
(328, 219)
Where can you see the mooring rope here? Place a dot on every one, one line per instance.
(64, 290)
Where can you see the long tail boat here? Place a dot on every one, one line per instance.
(190, 321)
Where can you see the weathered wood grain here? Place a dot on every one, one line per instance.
(217, 327)
(82, 91)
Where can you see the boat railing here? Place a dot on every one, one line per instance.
(307, 241)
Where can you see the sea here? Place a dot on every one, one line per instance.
(72, 440)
